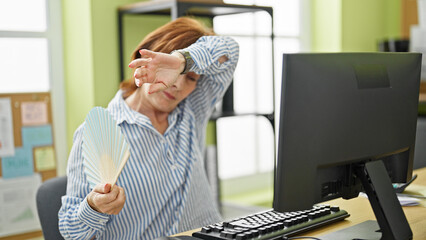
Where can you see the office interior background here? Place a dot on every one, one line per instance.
(70, 49)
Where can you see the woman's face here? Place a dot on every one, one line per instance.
(167, 100)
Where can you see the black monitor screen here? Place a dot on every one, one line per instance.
(339, 112)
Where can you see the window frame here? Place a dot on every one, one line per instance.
(304, 43)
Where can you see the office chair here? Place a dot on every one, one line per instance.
(48, 204)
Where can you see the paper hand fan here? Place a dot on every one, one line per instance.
(105, 150)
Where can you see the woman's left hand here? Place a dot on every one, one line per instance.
(160, 70)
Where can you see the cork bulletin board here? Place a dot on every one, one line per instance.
(27, 158)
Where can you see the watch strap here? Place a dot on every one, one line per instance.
(189, 62)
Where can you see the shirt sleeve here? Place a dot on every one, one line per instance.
(215, 77)
(77, 220)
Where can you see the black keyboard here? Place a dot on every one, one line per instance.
(272, 224)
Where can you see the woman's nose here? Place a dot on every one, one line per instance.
(180, 82)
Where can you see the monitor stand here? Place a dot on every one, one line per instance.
(391, 222)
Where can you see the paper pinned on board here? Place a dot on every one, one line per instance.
(18, 205)
(34, 113)
(19, 165)
(44, 158)
(37, 136)
(7, 145)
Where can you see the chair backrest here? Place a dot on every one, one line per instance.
(48, 204)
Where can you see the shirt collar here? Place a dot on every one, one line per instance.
(120, 110)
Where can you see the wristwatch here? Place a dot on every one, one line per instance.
(189, 62)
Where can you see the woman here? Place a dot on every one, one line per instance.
(163, 112)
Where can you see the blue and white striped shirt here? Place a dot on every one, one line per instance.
(164, 179)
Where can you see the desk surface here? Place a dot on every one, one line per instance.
(360, 211)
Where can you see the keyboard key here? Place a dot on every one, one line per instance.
(288, 223)
(241, 236)
(262, 230)
(255, 233)
(217, 229)
(312, 215)
(230, 235)
(335, 208)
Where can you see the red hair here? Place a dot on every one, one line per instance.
(177, 34)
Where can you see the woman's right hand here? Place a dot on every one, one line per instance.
(106, 200)
(159, 70)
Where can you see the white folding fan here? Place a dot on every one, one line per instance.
(105, 150)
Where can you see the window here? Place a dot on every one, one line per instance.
(15, 17)
(31, 58)
(245, 144)
(25, 65)
(23, 46)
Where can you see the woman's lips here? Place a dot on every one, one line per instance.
(169, 96)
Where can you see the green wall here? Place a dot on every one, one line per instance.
(353, 25)
(326, 25)
(78, 60)
(91, 53)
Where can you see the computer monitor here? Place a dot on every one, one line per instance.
(348, 124)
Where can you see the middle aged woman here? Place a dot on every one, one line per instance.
(163, 113)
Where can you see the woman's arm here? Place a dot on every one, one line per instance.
(77, 220)
(215, 59)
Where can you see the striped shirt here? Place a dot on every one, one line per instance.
(164, 179)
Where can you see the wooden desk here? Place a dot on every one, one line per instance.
(360, 211)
